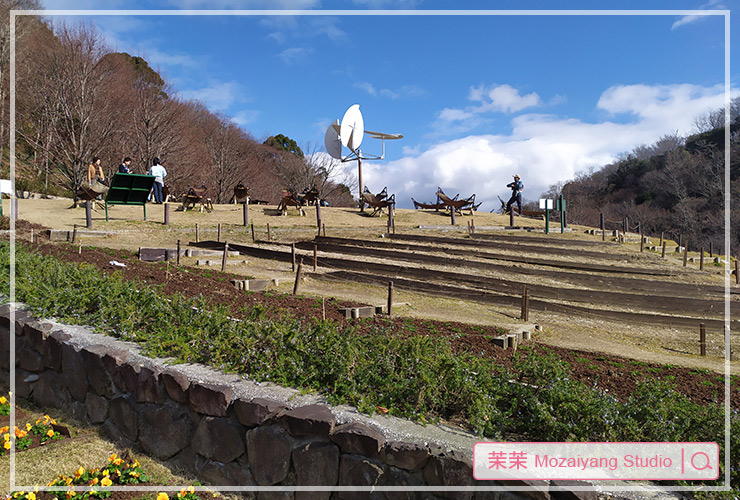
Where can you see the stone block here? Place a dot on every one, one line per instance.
(113, 362)
(127, 376)
(269, 451)
(210, 399)
(219, 439)
(176, 384)
(92, 360)
(310, 420)
(409, 456)
(560, 489)
(359, 439)
(36, 333)
(449, 468)
(123, 414)
(540, 490)
(316, 464)
(502, 341)
(157, 254)
(50, 391)
(257, 411)
(53, 349)
(97, 408)
(149, 387)
(356, 470)
(29, 358)
(215, 473)
(74, 372)
(165, 429)
(24, 382)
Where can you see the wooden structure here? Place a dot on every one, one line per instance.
(533, 214)
(289, 198)
(129, 189)
(241, 193)
(90, 193)
(197, 196)
(428, 206)
(458, 205)
(378, 201)
(310, 196)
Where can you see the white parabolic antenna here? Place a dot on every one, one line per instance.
(332, 142)
(353, 128)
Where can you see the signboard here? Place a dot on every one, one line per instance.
(129, 189)
(545, 204)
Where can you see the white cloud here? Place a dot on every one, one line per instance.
(454, 115)
(245, 117)
(503, 98)
(294, 55)
(367, 87)
(712, 4)
(542, 148)
(404, 91)
(217, 97)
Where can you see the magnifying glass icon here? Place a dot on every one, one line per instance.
(706, 465)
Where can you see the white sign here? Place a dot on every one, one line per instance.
(6, 187)
(596, 461)
(545, 204)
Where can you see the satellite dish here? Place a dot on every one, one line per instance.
(332, 142)
(352, 128)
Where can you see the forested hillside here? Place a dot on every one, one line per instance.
(76, 99)
(675, 186)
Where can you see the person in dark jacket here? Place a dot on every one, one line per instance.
(516, 194)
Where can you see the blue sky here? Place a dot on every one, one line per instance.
(477, 97)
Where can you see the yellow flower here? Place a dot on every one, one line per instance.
(21, 434)
(117, 461)
(106, 473)
(112, 457)
(106, 482)
(70, 494)
(79, 472)
(3, 400)
(7, 445)
(191, 490)
(50, 433)
(163, 496)
(30, 496)
(136, 464)
(94, 481)
(134, 474)
(4, 429)
(6, 437)
(28, 427)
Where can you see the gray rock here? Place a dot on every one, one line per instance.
(113, 362)
(50, 391)
(149, 388)
(53, 349)
(316, 464)
(24, 382)
(310, 420)
(560, 490)
(404, 455)
(540, 491)
(275, 495)
(74, 372)
(449, 468)
(257, 411)
(176, 384)
(36, 333)
(215, 473)
(123, 414)
(29, 358)
(269, 450)
(219, 439)
(127, 376)
(165, 429)
(359, 439)
(355, 470)
(92, 360)
(210, 399)
(97, 408)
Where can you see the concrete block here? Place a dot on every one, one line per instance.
(502, 341)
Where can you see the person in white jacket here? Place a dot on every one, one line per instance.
(159, 174)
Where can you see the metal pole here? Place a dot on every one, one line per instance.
(359, 179)
(547, 220)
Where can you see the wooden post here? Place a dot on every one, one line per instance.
(323, 228)
(702, 339)
(680, 240)
(253, 239)
(269, 238)
(662, 254)
(218, 238)
(661, 238)
(390, 297)
(74, 234)
(166, 214)
(511, 217)
(391, 220)
(298, 277)
(88, 214)
(685, 255)
(292, 256)
(315, 257)
(601, 221)
(624, 225)
(318, 215)
(245, 213)
(701, 259)
(226, 254)
(642, 242)
(197, 233)
(737, 275)
(178, 252)
(472, 226)
(525, 314)
(452, 215)
(468, 223)
(711, 253)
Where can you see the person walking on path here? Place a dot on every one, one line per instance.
(516, 194)
(125, 167)
(159, 174)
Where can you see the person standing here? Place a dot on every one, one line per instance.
(95, 172)
(516, 194)
(159, 174)
(125, 167)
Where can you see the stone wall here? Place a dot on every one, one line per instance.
(225, 431)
